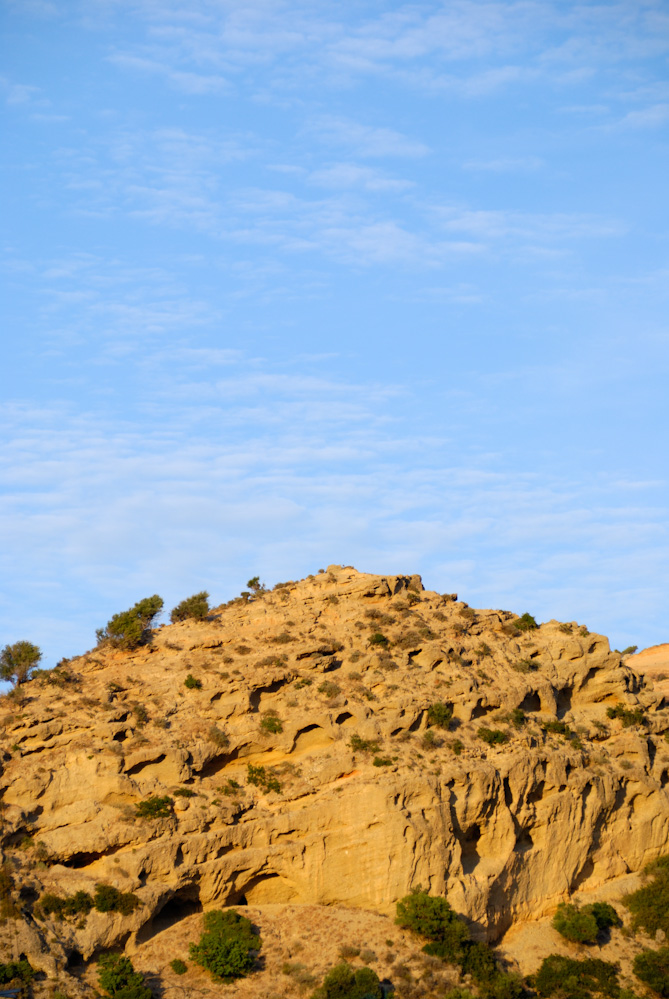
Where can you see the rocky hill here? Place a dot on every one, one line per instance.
(332, 742)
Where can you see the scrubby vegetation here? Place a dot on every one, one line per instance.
(652, 967)
(628, 716)
(440, 715)
(649, 904)
(568, 978)
(525, 623)
(493, 736)
(16, 971)
(106, 899)
(260, 777)
(157, 807)
(228, 947)
(18, 661)
(449, 939)
(178, 966)
(342, 982)
(584, 925)
(132, 628)
(195, 607)
(192, 682)
(119, 979)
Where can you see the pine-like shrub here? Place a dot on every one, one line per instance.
(228, 946)
(195, 607)
(132, 628)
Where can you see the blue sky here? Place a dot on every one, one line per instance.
(381, 284)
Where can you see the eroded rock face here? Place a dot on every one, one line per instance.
(373, 799)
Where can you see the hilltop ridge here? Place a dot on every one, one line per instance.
(335, 741)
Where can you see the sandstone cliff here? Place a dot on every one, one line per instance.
(359, 795)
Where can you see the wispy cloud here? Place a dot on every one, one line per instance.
(364, 140)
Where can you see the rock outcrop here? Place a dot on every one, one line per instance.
(305, 764)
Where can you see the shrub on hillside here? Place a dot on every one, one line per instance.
(652, 967)
(195, 607)
(18, 661)
(649, 904)
(132, 628)
(178, 966)
(119, 979)
(584, 925)
(572, 979)
(342, 982)
(192, 682)
(525, 623)
(433, 917)
(440, 715)
(228, 946)
(493, 736)
(157, 807)
(628, 716)
(16, 971)
(110, 899)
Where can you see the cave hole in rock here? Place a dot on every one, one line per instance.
(537, 792)
(664, 778)
(345, 717)
(415, 725)
(468, 846)
(652, 750)
(563, 701)
(265, 889)
(311, 737)
(218, 763)
(138, 767)
(270, 688)
(120, 736)
(28, 894)
(75, 959)
(84, 859)
(183, 903)
(531, 702)
(524, 842)
(481, 709)
(508, 796)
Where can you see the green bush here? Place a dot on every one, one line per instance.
(119, 979)
(329, 688)
(628, 716)
(110, 899)
(557, 728)
(184, 792)
(493, 736)
(157, 807)
(575, 924)
(18, 661)
(382, 761)
(525, 623)
(649, 904)
(378, 639)
(192, 682)
(440, 715)
(178, 966)
(195, 607)
(359, 745)
(342, 982)
(270, 723)
(228, 946)
(571, 979)
(652, 967)
(80, 903)
(14, 970)
(131, 628)
(432, 917)
(261, 778)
